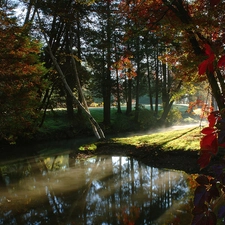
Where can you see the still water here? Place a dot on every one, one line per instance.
(103, 190)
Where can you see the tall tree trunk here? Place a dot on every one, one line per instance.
(149, 82)
(78, 67)
(156, 82)
(168, 105)
(107, 81)
(137, 96)
(216, 89)
(117, 82)
(137, 80)
(129, 96)
(69, 77)
(165, 113)
(96, 128)
(118, 92)
(165, 87)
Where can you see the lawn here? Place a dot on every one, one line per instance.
(186, 139)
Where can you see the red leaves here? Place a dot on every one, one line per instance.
(221, 61)
(210, 189)
(209, 142)
(208, 130)
(213, 118)
(126, 65)
(204, 159)
(130, 215)
(208, 63)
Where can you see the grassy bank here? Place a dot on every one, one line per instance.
(174, 149)
(186, 139)
(57, 126)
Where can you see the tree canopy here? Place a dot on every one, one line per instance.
(122, 50)
(21, 80)
(193, 32)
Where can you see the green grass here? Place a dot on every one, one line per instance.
(54, 121)
(185, 139)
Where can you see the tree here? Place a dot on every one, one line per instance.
(184, 30)
(21, 76)
(101, 58)
(201, 26)
(82, 105)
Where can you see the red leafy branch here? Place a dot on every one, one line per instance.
(209, 142)
(207, 65)
(211, 191)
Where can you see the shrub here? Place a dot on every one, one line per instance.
(146, 118)
(174, 117)
(122, 122)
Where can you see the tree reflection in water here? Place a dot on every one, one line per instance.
(100, 190)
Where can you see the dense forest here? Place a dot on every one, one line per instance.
(77, 54)
(135, 58)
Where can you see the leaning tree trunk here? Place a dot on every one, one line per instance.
(96, 128)
(83, 100)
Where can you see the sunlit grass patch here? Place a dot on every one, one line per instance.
(185, 139)
(89, 147)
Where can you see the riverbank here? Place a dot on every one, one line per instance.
(174, 149)
(153, 156)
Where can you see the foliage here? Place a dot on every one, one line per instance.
(125, 66)
(209, 195)
(90, 147)
(21, 83)
(122, 122)
(146, 118)
(174, 117)
(129, 215)
(195, 38)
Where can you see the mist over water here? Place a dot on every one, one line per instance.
(101, 190)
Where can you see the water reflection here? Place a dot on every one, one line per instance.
(100, 190)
